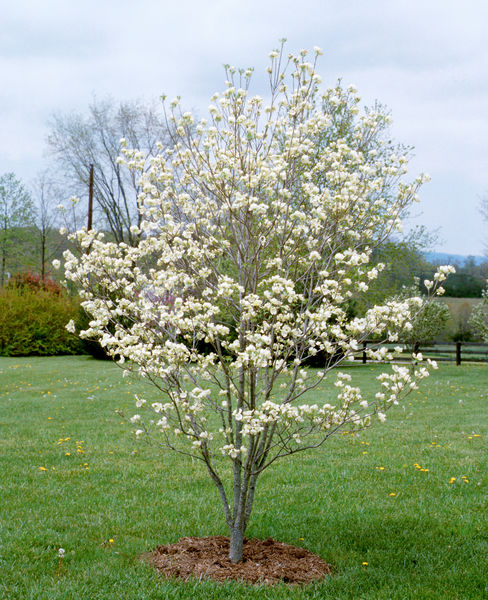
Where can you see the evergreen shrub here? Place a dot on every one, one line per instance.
(33, 319)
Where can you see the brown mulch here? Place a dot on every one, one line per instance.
(264, 561)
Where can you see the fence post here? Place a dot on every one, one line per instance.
(458, 353)
(364, 352)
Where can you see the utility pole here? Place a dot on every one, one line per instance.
(90, 200)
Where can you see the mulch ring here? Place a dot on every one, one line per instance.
(264, 561)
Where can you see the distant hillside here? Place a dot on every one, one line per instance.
(438, 258)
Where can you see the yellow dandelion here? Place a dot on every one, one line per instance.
(42, 469)
(392, 494)
(365, 564)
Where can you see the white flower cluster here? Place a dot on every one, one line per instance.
(441, 275)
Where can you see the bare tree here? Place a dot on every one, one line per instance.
(47, 196)
(76, 141)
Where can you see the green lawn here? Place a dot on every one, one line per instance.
(383, 498)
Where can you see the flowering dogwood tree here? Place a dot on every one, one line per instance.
(426, 324)
(479, 317)
(257, 228)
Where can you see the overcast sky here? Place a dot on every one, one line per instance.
(427, 60)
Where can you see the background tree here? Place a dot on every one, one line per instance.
(428, 323)
(50, 243)
(479, 317)
(17, 214)
(253, 241)
(77, 141)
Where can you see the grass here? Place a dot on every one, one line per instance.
(383, 498)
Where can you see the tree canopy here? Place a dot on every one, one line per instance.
(17, 213)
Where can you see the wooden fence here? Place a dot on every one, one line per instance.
(457, 352)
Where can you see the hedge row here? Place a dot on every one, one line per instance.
(32, 323)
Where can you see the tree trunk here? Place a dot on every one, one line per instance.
(236, 544)
(43, 258)
(2, 276)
